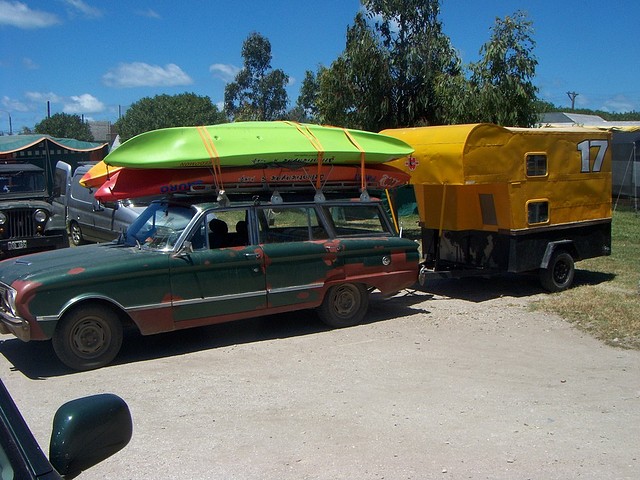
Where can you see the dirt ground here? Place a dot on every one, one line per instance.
(462, 381)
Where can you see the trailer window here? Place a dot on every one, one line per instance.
(538, 212)
(536, 164)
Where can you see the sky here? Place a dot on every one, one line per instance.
(94, 58)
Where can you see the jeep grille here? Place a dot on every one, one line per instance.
(20, 223)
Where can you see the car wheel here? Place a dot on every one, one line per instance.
(76, 234)
(344, 305)
(558, 275)
(88, 337)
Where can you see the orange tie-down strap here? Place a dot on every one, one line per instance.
(363, 180)
(210, 146)
(315, 142)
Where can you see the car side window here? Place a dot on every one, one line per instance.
(227, 228)
(290, 224)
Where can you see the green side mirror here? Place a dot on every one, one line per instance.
(87, 431)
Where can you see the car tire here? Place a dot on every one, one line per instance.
(75, 234)
(558, 275)
(344, 305)
(88, 337)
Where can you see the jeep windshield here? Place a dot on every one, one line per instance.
(21, 179)
(159, 226)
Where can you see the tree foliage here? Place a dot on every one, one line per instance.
(163, 111)
(258, 92)
(386, 76)
(65, 125)
(399, 69)
(502, 81)
(356, 90)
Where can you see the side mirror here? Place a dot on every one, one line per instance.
(87, 431)
(185, 249)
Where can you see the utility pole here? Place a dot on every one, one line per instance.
(572, 96)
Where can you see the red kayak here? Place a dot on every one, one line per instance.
(136, 183)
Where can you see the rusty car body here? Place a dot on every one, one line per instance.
(175, 269)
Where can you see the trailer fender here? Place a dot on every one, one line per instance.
(552, 246)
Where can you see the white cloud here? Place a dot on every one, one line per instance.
(84, 8)
(139, 74)
(18, 14)
(224, 72)
(43, 97)
(84, 103)
(149, 13)
(619, 104)
(29, 64)
(12, 105)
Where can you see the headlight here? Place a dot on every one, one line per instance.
(40, 216)
(3, 218)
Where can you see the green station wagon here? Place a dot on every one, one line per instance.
(187, 262)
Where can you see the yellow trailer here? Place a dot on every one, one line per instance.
(494, 199)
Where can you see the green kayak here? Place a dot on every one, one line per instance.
(254, 143)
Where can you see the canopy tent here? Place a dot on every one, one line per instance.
(10, 144)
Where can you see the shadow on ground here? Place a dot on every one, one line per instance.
(37, 360)
(481, 289)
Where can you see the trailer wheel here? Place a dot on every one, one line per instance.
(558, 275)
(344, 305)
(88, 337)
(76, 234)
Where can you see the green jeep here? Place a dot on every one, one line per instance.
(191, 262)
(26, 218)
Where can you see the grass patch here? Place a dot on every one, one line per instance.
(606, 299)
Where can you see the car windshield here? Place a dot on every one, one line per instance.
(159, 226)
(22, 182)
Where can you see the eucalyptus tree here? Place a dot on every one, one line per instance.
(388, 74)
(258, 91)
(502, 80)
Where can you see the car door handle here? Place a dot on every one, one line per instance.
(333, 248)
(252, 255)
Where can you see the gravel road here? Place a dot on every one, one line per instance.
(462, 381)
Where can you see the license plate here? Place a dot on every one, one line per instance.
(16, 244)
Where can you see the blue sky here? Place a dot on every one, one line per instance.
(94, 58)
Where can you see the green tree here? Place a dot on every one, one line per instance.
(163, 111)
(258, 92)
(356, 90)
(64, 125)
(307, 103)
(391, 68)
(502, 89)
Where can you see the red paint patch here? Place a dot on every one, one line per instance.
(76, 271)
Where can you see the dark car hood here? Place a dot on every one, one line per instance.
(62, 261)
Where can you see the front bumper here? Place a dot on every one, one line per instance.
(15, 325)
(9, 322)
(15, 247)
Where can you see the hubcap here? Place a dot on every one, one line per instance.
(344, 301)
(89, 338)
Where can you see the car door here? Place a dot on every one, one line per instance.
(298, 256)
(216, 284)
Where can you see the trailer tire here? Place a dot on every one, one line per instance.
(558, 275)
